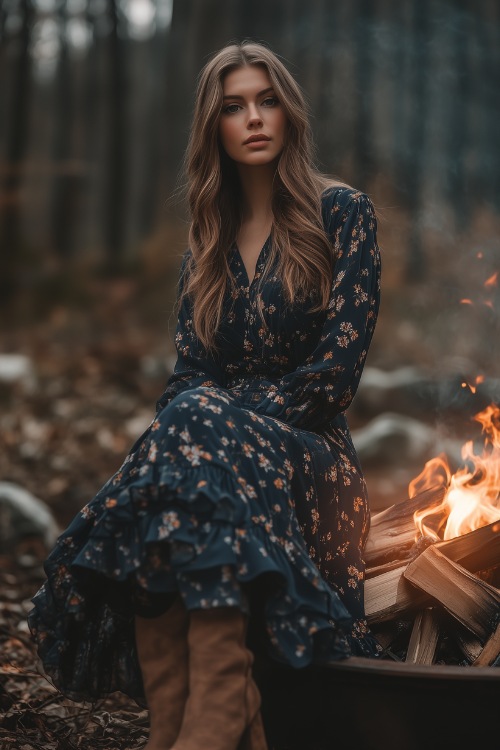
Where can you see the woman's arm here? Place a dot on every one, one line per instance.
(325, 384)
(193, 367)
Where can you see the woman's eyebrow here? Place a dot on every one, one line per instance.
(236, 96)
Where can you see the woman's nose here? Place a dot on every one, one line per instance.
(254, 117)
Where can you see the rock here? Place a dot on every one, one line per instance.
(405, 390)
(408, 390)
(17, 368)
(393, 440)
(23, 518)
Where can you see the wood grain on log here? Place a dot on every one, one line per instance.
(470, 600)
(468, 643)
(393, 532)
(389, 595)
(386, 596)
(424, 637)
(490, 651)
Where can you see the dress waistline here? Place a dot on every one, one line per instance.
(259, 383)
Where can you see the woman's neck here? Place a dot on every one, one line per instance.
(256, 187)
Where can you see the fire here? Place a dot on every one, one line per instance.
(472, 498)
(492, 281)
(473, 386)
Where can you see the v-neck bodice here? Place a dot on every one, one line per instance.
(259, 265)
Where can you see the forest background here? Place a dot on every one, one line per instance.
(95, 100)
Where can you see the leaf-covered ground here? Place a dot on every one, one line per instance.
(96, 372)
(33, 714)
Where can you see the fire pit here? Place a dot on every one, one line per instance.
(380, 705)
(433, 560)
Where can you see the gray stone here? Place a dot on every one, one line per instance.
(406, 390)
(17, 368)
(23, 516)
(393, 440)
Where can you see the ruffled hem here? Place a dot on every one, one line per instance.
(170, 529)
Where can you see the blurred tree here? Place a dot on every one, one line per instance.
(97, 95)
(417, 163)
(18, 109)
(64, 187)
(363, 147)
(117, 157)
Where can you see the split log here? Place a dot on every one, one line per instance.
(392, 531)
(470, 600)
(468, 643)
(477, 550)
(385, 568)
(424, 637)
(390, 594)
(490, 651)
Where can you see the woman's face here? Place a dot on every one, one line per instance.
(250, 108)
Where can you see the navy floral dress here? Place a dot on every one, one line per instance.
(246, 477)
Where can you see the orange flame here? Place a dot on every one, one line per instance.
(472, 498)
(492, 281)
(466, 302)
(473, 387)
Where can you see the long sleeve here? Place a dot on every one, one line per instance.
(326, 382)
(194, 367)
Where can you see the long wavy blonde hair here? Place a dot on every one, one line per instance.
(305, 263)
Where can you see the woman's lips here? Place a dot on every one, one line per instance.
(261, 142)
(256, 137)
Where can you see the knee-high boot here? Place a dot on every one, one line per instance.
(162, 650)
(223, 707)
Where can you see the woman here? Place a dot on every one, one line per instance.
(244, 500)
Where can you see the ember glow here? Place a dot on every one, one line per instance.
(492, 281)
(473, 495)
(473, 386)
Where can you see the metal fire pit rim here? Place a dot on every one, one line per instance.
(387, 669)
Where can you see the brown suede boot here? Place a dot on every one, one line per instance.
(223, 708)
(162, 650)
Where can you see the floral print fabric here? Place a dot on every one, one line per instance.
(246, 474)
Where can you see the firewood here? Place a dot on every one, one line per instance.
(387, 597)
(392, 531)
(467, 642)
(385, 568)
(424, 637)
(490, 651)
(477, 550)
(470, 600)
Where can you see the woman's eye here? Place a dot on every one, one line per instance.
(230, 108)
(270, 101)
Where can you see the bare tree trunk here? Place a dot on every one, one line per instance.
(64, 194)
(18, 116)
(363, 127)
(458, 115)
(116, 147)
(415, 269)
(153, 136)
